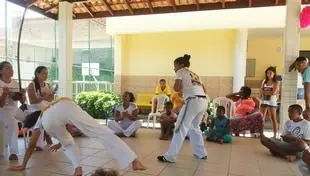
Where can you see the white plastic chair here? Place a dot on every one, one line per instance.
(227, 103)
(161, 100)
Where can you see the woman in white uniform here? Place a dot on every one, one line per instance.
(126, 121)
(53, 120)
(191, 113)
(8, 106)
(40, 94)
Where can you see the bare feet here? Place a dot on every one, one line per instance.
(38, 149)
(164, 138)
(78, 171)
(13, 157)
(120, 134)
(291, 158)
(137, 165)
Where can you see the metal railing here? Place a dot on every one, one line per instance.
(82, 86)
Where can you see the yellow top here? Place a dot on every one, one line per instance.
(43, 109)
(177, 101)
(166, 91)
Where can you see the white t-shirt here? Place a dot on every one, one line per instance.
(191, 83)
(10, 104)
(46, 89)
(120, 108)
(297, 129)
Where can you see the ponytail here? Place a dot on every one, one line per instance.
(36, 79)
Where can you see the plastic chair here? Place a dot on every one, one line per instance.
(160, 106)
(228, 104)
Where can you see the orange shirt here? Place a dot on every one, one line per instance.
(244, 106)
(177, 102)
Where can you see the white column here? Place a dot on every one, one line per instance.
(291, 52)
(240, 59)
(65, 49)
(119, 56)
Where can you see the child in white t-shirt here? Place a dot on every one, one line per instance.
(8, 106)
(126, 121)
(294, 130)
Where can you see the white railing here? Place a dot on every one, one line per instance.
(82, 86)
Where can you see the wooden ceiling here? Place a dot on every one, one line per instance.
(109, 8)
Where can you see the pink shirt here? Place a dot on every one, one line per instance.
(244, 106)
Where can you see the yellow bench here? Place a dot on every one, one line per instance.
(144, 100)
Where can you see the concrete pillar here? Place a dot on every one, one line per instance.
(240, 59)
(119, 58)
(65, 49)
(291, 52)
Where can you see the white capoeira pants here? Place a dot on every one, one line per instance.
(11, 130)
(304, 169)
(130, 130)
(54, 122)
(190, 124)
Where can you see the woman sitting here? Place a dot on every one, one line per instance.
(40, 93)
(126, 121)
(247, 115)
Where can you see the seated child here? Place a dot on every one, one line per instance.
(295, 130)
(105, 172)
(304, 165)
(167, 120)
(219, 128)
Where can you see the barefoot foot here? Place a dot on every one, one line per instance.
(13, 157)
(78, 171)
(291, 158)
(137, 165)
(38, 149)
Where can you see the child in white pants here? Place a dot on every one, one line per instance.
(54, 119)
(8, 106)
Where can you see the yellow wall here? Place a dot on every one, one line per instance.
(153, 54)
(264, 50)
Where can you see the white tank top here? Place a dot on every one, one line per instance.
(10, 105)
(46, 89)
(191, 83)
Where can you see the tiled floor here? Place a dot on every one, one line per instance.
(245, 157)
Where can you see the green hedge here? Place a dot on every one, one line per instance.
(98, 104)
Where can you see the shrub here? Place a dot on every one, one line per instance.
(98, 104)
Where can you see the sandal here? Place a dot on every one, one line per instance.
(163, 159)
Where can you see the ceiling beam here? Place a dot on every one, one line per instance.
(197, 4)
(172, 3)
(108, 7)
(129, 7)
(34, 8)
(53, 6)
(276, 2)
(149, 3)
(88, 9)
(223, 4)
(30, 2)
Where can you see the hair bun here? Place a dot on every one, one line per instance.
(187, 57)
